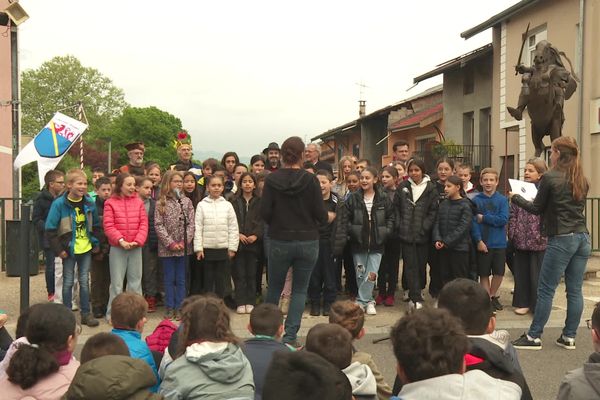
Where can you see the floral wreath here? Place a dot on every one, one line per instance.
(182, 138)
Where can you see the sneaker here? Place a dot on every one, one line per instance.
(89, 320)
(521, 311)
(326, 308)
(527, 343)
(51, 297)
(151, 304)
(249, 308)
(371, 308)
(241, 310)
(405, 297)
(74, 307)
(284, 304)
(389, 301)
(496, 303)
(415, 305)
(566, 342)
(315, 309)
(379, 300)
(170, 314)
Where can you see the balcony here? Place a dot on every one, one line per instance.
(477, 156)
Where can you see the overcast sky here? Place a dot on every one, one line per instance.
(240, 74)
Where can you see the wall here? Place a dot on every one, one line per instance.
(5, 111)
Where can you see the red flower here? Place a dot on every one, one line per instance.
(181, 135)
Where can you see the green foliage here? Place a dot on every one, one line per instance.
(447, 148)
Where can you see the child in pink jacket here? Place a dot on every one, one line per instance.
(126, 228)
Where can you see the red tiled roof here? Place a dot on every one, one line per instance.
(416, 118)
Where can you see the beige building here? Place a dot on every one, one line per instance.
(6, 108)
(573, 26)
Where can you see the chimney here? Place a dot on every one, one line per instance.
(361, 108)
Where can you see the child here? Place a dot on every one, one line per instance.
(96, 173)
(463, 171)
(334, 343)
(524, 231)
(257, 164)
(192, 192)
(126, 227)
(216, 238)
(190, 188)
(153, 172)
(489, 233)
(332, 239)
(100, 272)
(451, 232)
(103, 344)
(128, 317)
(416, 204)
(266, 325)
(72, 227)
(352, 185)
(229, 161)
(238, 170)
(401, 169)
(390, 262)
(173, 211)
(351, 317)
(44, 368)
(246, 205)
(345, 167)
(206, 342)
(150, 271)
(370, 222)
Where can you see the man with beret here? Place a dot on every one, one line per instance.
(273, 153)
(135, 153)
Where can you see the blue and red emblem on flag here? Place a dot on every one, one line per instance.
(53, 140)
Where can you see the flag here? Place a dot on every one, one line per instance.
(50, 145)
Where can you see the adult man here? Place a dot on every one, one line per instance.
(312, 154)
(183, 145)
(135, 153)
(273, 153)
(400, 150)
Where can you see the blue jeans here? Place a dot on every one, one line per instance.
(365, 263)
(174, 278)
(49, 270)
(301, 256)
(566, 254)
(84, 262)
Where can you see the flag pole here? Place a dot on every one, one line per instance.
(80, 115)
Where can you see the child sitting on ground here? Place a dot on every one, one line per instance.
(266, 324)
(128, 317)
(334, 343)
(108, 372)
(350, 316)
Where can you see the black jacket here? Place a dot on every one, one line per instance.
(339, 226)
(104, 245)
(453, 224)
(152, 241)
(41, 207)
(369, 235)
(292, 205)
(415, 219)
(561, 213)
(249, 222)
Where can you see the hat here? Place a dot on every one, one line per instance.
(135, 146)
(271, 146)
(182, 138)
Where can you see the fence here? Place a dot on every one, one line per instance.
(13, 213)
(477, 156)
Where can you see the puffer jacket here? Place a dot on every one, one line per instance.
(339, 229)
(152, 241)
(453, 224)
(415, 218)
(524, 230)
(113, 378)
(370, 235)
(159, 339)
(216, 225)
(169, 226)
(249, 221)
(41, 208)
(125, 217)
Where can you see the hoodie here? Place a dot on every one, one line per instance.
(362, 381)
(472, 385)
(292, 205)
(210, 371)
(492, 230)
(582, 383)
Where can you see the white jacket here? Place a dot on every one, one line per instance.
(361, 379)
(216, 225)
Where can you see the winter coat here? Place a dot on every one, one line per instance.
(160, 338)
(249, 221)
(209, 371)
(41, 208)
(415, 218)
(260, 352)
(365, 234)
(384, 391)
(524, 230)
(492, 230)
(453, 224)
(138, 349)
(339, 226)
(216, 225)
(113, 378)
(61, 225)
(104, 245)
(169, 226)
(51, 387)
(582, 383)
(362, 380)
(150, 207)
(125, 218)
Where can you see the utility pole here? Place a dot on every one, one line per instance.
(16, 118)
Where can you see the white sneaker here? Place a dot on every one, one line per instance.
(405, 297)
(415, 305)
(371, 308)
(241, 310)
(249, 308)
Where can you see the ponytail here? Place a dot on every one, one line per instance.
(29, 365)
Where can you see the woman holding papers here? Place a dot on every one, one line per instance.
(560, 201)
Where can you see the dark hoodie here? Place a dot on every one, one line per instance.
(292, 205)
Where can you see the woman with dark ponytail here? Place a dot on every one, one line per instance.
(44, 368)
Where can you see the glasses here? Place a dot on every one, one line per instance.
(59, 182)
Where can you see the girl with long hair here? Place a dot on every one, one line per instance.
(191, 189)
(345, 166)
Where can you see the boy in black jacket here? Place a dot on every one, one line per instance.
(100, 272)
(151, 275)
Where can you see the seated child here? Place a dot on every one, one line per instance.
(20, 338)
(430, 347)
(490, 350)
(350, 316)
(108, 372)
(209, 363)
(334, 343)
(128, 317)
(304, 375)
(5, 338)
(266, 324)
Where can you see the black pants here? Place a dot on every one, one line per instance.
(100, 283)
(261, 261)
(215, 276)
(322, 278)
(435, 272)
(350, 272)
(414, 256)
(244, 277)
(387, 279)
(196, 275)
(453, 264)
(526, 270)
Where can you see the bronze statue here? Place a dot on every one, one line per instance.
(546, 86)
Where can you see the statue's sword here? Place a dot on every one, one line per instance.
(525, 37)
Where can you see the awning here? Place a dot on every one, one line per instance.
(417, 119)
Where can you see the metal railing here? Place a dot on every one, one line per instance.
(592, 216)
(477, 156)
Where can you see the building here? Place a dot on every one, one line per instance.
(6, 108)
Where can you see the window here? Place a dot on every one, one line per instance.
(468, 128)
(534, 37)
(468, 81)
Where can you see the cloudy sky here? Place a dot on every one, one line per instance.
(240, 74)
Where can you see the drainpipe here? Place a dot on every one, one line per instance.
(580, 37)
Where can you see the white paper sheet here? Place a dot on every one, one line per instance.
(527, 190)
